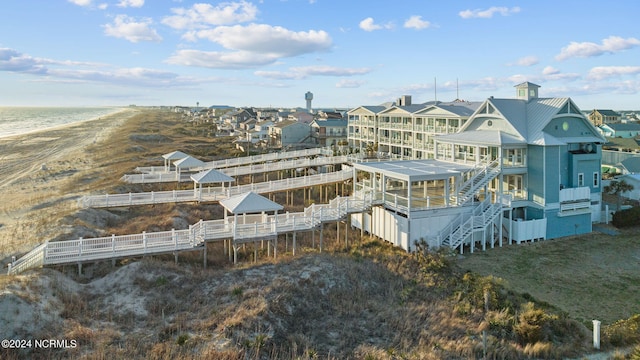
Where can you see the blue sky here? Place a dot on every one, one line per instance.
(347, 52)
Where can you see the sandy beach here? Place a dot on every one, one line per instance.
(34, 168)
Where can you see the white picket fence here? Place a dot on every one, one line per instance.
(118, 246)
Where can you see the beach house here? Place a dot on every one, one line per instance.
(519, 169)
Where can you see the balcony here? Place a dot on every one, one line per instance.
(575, 201)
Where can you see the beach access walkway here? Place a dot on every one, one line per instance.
(253, 228)
(245, 160)
(213, 194)
(237, 170)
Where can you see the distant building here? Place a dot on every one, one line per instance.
(329, 131)
(621, 130)
(600, 117)
(289, 133)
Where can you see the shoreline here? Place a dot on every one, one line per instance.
(117, 111)
(35, 169)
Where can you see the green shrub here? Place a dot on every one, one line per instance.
(623, 332)
(627, 218)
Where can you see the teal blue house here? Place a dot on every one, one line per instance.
(549, 159)
(519, 169)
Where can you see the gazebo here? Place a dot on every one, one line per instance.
(172, 156)
(187, 163)
(211, 176)
(245, 205)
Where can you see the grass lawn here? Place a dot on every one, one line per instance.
(593, 276)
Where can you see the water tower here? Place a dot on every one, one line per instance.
(308, 96)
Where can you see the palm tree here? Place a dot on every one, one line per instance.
(617, 188)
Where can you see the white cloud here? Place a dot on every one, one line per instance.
(550, 70)
(131, 3)
(349, 83)
(220, 60)
(488, 13)
(302, 72)
(369, 25)
(612, 44)
(267, 39)
(135, 31)
(81, 2)
(528, 61)
(81, 72)
(604, 72)
(416, 22)
(202, 15)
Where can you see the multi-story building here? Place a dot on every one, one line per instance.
(405, 130)
(517, 169)
(600, 117)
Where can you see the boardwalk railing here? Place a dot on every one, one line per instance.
(117, 246)
(212, 193)
(172, 176)
(246, 160)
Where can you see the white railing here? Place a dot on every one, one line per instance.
(480, 178)
(212, 193)
(116, 246)
(239, 161)
(239, 170)
(575, 194)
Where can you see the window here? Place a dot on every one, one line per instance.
(596, 179)
(580, 179)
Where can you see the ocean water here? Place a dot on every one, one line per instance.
(23, 120)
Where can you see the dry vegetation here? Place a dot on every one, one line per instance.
(364, 300)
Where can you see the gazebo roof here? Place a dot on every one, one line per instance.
(249, 203)
(176, 155)
(211, 176)
(188, 162)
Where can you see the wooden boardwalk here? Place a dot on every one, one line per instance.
(247, 160)
(259, 227)
(254, 168)
(211, 194)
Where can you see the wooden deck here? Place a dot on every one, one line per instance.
(255, 168)
(212, 194)
(261, 227)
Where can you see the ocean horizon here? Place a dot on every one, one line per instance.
(16, 120)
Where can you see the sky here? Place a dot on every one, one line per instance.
(269, 53)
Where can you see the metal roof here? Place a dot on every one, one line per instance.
(211, 176)
(249, 203)
(415, 170)
(188, 162)
(176, 155)
(623, 126)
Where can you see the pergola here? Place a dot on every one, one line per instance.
(211, 176)
(412, 184)
(172, 156)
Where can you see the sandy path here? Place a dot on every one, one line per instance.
(32, 169)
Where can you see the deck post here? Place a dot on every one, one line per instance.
(255, 251)
(321, 228)
(113, 250)
(204, 256)
(294, 242)
(275, 248)
(144, 241)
